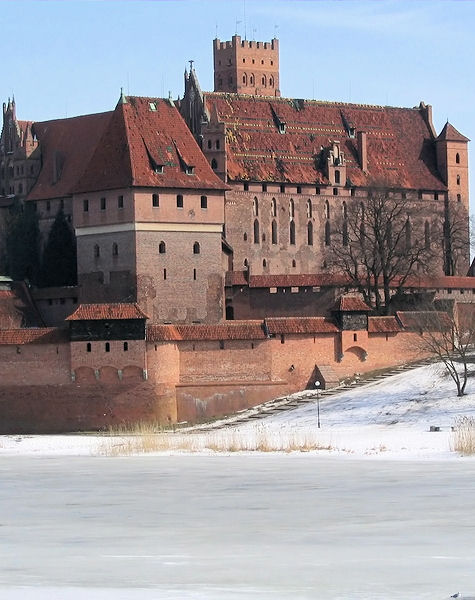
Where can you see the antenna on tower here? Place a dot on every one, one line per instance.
(216, 33)
(254, 29)
(245, 23)
(237, 23)
(276, 30)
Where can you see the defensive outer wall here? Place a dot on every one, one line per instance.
(51, 382)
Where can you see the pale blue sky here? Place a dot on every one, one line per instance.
(64, 58)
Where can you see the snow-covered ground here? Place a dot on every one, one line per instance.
(390, 419)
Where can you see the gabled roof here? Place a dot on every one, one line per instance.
(383, 325)
(106, 312)
(279, 325)
(144, 137)
(450, 134)
(350, 303)
(17, 308)
(429, 320)
(45, 335)
(233, 330)
(400, 147)
(66, 148)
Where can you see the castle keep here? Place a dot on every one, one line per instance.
(205, 233)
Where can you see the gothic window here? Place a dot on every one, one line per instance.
(458, 179)
(427, 235)
(264, 263)
(309, 209)
(327, 233)
(115, 249)
(245, 237)
(204, 201)
(274, 232)
(309, 234)
(263, 80)
(273, 208)
(246, 262)
(271, 82)
(196, 248)
(457, 158)
(327, 209)
(155, 201)
(291, 208)
(256, 231)
(292, 233)
(217, 144)
(244, 79)
(255, 207)
(97, 251)
(251, 79)
(337, 176)
(214, 164)
(162, 248)
(408, 233)
(209, 144)
(179, 201)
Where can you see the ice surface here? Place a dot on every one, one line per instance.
(255, 527)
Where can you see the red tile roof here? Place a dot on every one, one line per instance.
(450, 134)
(350, 303)
(232, 330)
(139, 139)
(68, 144)
(447, 282)
(424, 320)
(383, 325)
(45, 335)
(235, 278)
(18, 309)
(400, 146)
(302, 280)
(103, 312)
(278, 325)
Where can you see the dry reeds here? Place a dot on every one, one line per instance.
(463, 439)
(252, 439)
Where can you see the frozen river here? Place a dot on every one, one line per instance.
(227, 527)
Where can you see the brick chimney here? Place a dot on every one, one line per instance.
(362, 150)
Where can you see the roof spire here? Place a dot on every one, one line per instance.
(122, 99)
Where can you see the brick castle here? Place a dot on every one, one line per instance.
(204, 231)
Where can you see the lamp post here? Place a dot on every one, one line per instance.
(317, 385)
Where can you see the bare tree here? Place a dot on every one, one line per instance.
(456, 238)
(381, 242)
(449, 337)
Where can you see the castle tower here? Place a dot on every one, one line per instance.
(246, 67)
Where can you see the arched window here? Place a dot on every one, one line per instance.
(251, 79)
(271, 82)
(115, 249)
(273, 207)
(427, 235)
(256, 231)
(97, 251)
(209, 144)
(274, 232)
(344, 233)
(245, 237)
(294, 263)
(337, 176)
(264, 263)
(292, 233)
(459, 197)
(309, 209)
(327, 233)
(214, 164)
(408, 234)
(309, 233)
(264, 80)
(244, 79)
(162, 248)
(458, 179)
(327, 209)
(246, 263)
(457, 158)
(255, 207)
(291, 208)
(196, 248)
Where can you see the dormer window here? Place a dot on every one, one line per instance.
(282, 127)
(159, 169)
(351, 132)
(152, 106)
(190, 170)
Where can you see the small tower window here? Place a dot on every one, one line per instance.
(214, 164)
(88, 347)
(103, 204)
(126, 346)
(194, 274)
(264, 187)
(115, 249)
(155, 200)
(457, 158)
(204, 201)
(97, 251)
(48, 205)
(196, 248)
(85, 205)
(337, 176)
(459, 197)
(164, 274)
(162, 248)
(458, 179)
(108, 347)
(294, 263)
(264, 263)
(179, 201)
(120, 202)
(291, 208)
(309, 209)
(255, 207)
(273, 208)
(209, 144)
(244, 237)
(274, 232)
(251, 79)
(217, 144)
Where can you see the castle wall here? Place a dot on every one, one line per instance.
(40, 364)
